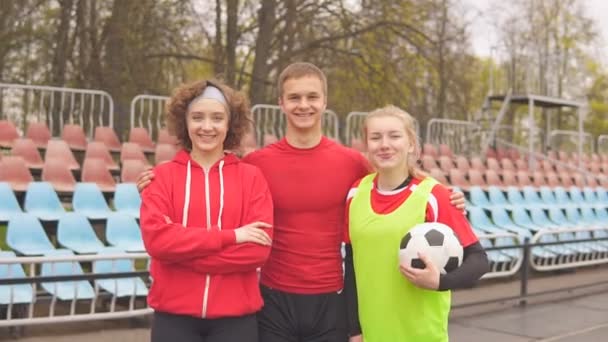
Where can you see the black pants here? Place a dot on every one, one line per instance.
(177, 328)
(288, 317)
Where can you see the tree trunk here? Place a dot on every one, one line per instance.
(218, 49)
(231, 40)
(61, 37)
(261, 67)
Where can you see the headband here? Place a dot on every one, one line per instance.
(213, 93)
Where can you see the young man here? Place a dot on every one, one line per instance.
(309, 177)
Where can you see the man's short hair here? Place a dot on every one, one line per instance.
(301, 69)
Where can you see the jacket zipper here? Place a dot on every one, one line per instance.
(208, 207)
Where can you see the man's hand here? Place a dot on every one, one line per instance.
(457, 199)
(144, 179)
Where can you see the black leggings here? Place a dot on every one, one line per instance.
(177, 328)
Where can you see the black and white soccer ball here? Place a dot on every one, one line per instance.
(437, 241)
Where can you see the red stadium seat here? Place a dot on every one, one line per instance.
(539, 178)
(457, 179)
(462, 163)
(97, 149)
(74, 136)
(477, 164)
(26, 149)
(493, 165)
(579, 180)
(566, 179)
(446, 164)
(445, 150)
(592, 182)
(490, 153)
(39, 133)
(430, 150)
(107, 136)
(476, 178)
(132, 151)
(508, 178)
(493, 179)
(59, 149)
(507, 164)
(131, 168)
(165, 138)
(94, 171)
(439, 175)
(8, 133)
(552, 179)
(523, 178)
(57, 172)
(14, 171)
(140, 136)
(521, 164)
(428, 162)
(164, 152)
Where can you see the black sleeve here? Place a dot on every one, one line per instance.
(350, 293)
(474, 265)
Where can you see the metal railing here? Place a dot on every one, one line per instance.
(148, 111)
(602, 144)
(562, 140)
(456, 134)
(56, 106)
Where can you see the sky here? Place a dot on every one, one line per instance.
(482, 14)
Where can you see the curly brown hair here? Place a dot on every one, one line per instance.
(239, 119)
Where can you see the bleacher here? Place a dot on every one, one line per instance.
(71, 207)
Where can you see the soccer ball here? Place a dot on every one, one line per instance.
(437, 241)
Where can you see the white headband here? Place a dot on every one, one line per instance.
(211, 92)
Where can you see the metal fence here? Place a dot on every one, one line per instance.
(602, 144)
(561, 140)
(148, 111)
(461, 136)
(56, 106)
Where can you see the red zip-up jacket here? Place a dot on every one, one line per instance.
(188, 217)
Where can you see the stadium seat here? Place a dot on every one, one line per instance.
(122, 231)
(164, 152)
(26, 149)
(556, 215)
(89, 201)
(445, 150)
(548, 197)
(514, 154)
(576, 217)
(477, 164)
(478, 197)
(498, 198)
(576, 196)
(76, 233)
(507, 164)
(8, 133)
(39, 133)
(26, 236)
(480, 221)
(563, 200)
(94, 171)
(131, 169)
(96, 149)
(74, 136)
(428, 162)
(462, 163)
(508, 178)
(490, 153)
(132, 151)
(532, 198)
(446, 164)
(492, 164)
(492, 178)
(42, 201)
(476, 178)
(457, 178)
(9, 205)
(165, 138)
(118, 287)
(590, 195)
(18, 293)
(59, 149)
(539, 179)
(65, 290)
(566, 179)
(58, 174)
(515, 197)
(501, 153)
(521, 164)
(127, 199)
(107, 136)
(579, 180)
(430, 150)
(14, 171)
(523, 178)
(563, 156)
(552, 180)
(546, 166)
(438, 175)
(592, 182)
(140, 136)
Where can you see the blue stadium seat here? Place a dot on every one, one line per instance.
(479, 198)
(65, 290)
(89, 201)
(532, 198)
(523, 219)
(548, 197)
(8, 202)
(602, 196)
(480, 221)
(590, 196)
(601, 215)
(122, 231)
(497, 197)
(515, 197)
(42, 201)
(15, 294)
(467, 203)
(494, 256)
(573, 215)
(26, 236)
(119, 287)
(76, 233)
(576, 196)
(557, 216)
(127, 199)
(561, 195)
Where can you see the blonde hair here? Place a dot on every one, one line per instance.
(301, 69)
(410, 131)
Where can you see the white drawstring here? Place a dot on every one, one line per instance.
(219, 217)
(186, 196)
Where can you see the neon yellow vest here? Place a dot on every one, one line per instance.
(391, 308)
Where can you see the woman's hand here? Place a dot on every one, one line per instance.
(427, 278)
(253, 232)
(457, 199)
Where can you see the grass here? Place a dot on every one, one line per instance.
(3, 245)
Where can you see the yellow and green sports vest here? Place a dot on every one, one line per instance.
(391, 308)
